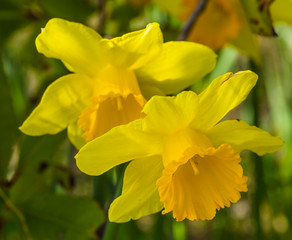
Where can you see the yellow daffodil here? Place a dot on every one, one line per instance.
(185, 160)
(111, 79)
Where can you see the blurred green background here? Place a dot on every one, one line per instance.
(44, 196)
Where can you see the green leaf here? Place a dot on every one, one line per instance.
(36, 150)
(51, 216)
(37, 156)
(19, 57)
(12, 229)
(10, 19)
(258, 13)
(28, 185)
(47, 215)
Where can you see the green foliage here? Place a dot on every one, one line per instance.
(51, 216)
(47, 215)
(8, 126)
(77, 10)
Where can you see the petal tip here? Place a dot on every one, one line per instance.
(27, 130)
(153, 25)
(113, 216)
(23, 129)
(248, 72)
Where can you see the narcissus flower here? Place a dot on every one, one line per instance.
(185, 160)
(111, 79)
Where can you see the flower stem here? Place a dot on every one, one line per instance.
(192, 19)
(259, 185)
(102, 16)
(18, 213)
(111, 228)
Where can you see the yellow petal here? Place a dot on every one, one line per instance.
(61, 104)
(241, 137)
(201, 182)
(75, 135)
(166, 115)
(179, 65)
(119, 145)
(73, 43)
(141, 41)
(140, 195)
(222, 95)
(116, 80)
(134, 49)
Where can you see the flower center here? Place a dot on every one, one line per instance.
(203, 180)
(116, 100)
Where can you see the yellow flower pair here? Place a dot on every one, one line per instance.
(183, 159)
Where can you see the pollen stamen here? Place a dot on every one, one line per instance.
(194, 165)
